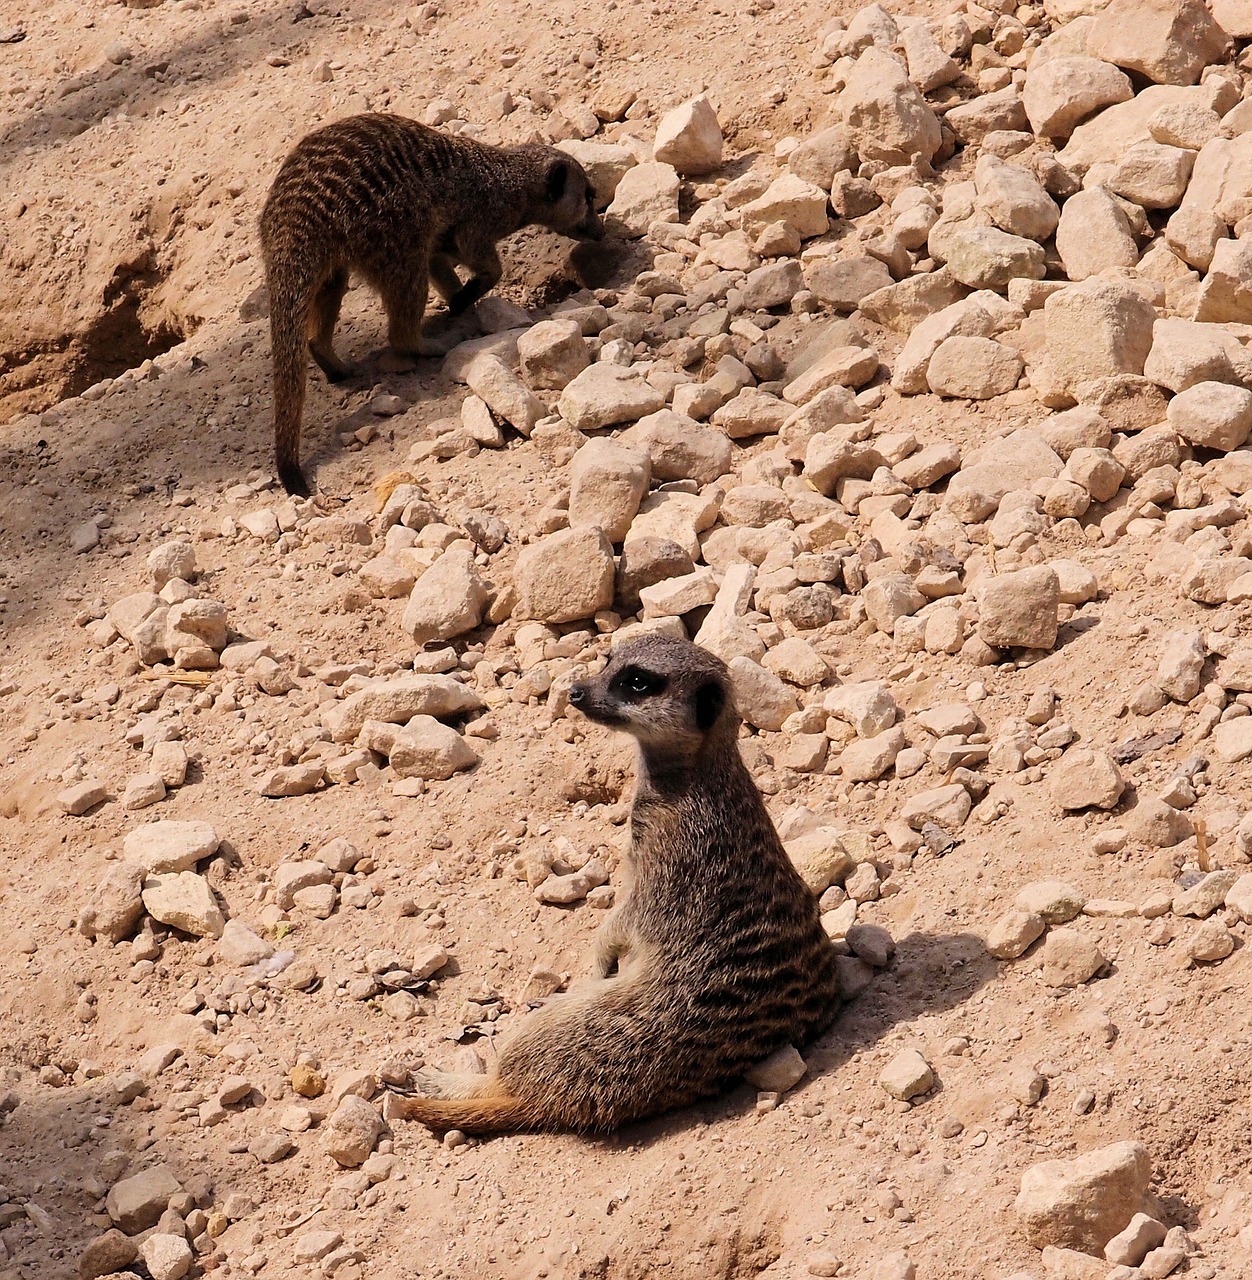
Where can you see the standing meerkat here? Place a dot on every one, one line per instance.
(716, 958)
(402, 205)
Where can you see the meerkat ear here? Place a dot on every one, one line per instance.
(710, 699)
(556, 180)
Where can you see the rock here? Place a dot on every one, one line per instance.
(946, 807)
(988, 258)
(1083, 1203)
(352, 1132)
(820, 858)
(1182, 661)
(1001, 111)
(1206, 895)
(176, 559)
(1151, 175)
(564, 577)
(751, 413)
(1069, 959)
(869, 758)
(679, 448)
(1232, 740)
(604, 394)
(241, 946)
(1094, 234)
(772, 285)
(137, 1203)
(830, 457)
(1084, 779)
(822, 155)
(1225, 296)
(907, 1075)
(678, 517)
(167, 1257)
(1131, 1244)
(292, 780)
(891, 597)
(1012, 933)
(607, 483)
(689, 138)
(789, 198)
(928, 465)
(81, 797)
(867, 706)
(761, 698)
(448, 599)
(424, 748)
(604, 163)
(646, 194)
(886, 115)
(1097, 329)
(1191, 237)
(900, 307)
(117, 906)
(1018, 609)
(1166, 41)
(929, 66)
(140, 619)
(552, 354)
(106, 1254)
(1061, 92)
(1157, 824)
(1212, 415)
(1239, 898)
(850, 366)
(1054, 901)
(973, 368)
(397, 701)
(170, 846)
(1184, 353)
(184, 901)
(779, 1072)
(842, 283)
(1014, 199)
(645, 562)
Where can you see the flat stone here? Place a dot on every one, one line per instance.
(1084, 778)
(907, 1075)
(184, 900)
(1013, 933)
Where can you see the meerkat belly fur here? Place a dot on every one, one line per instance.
(715, 959)
(402, 205)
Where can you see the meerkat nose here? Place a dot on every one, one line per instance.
(578, 694)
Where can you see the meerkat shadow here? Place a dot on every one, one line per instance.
(930, 973)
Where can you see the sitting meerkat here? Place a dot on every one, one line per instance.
(715, 959)
(402, 205)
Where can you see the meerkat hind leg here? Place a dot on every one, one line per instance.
(405, 303)
(322, 321)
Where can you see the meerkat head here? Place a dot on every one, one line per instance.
(567, 200)
(670, 695)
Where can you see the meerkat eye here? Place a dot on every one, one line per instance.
(638, 683)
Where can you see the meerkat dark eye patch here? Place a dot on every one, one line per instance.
(710, 699)
(635, 682)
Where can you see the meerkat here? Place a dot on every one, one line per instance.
(402, 205)
(717, 956)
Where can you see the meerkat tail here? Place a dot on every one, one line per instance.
(498, 1113)
(288, 342)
